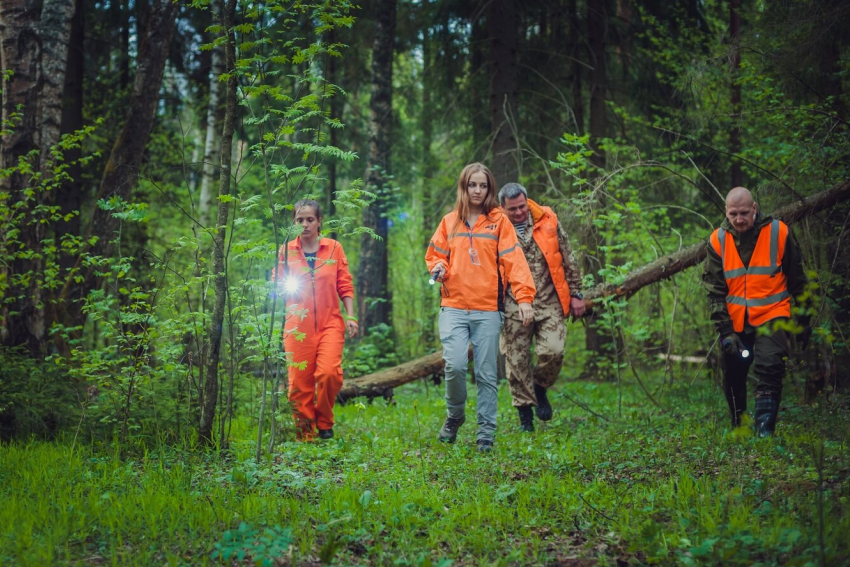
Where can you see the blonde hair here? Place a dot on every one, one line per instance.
(462, 201)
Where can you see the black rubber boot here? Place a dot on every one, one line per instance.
(526, 419)
(544, 408)
(326, 433)
(767, 409)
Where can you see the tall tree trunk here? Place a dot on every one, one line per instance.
(426, 203)
(578, 51)
(735, 63)
(206, 199)
(124, 26)
(502, 32)
(34, 48)
(121, 171)
(210, 399)
(373, 298)
(70, 196)
(335, 112)
(597, 340)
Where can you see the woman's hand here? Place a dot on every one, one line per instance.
(438, 271)
(351, 326)
(526, 313)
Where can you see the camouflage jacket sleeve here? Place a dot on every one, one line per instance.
(715, 285)
(572, 271)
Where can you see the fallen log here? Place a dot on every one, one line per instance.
(671, 264)
(381, 383)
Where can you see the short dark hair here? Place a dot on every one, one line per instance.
(511, 191)
(307, 203)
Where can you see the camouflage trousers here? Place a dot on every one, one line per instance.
(548, 332)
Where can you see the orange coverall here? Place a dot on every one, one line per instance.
(313, 310)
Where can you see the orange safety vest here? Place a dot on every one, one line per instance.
(757, 292)
(545, 235)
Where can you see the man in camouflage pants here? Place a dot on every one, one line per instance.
(558, 281)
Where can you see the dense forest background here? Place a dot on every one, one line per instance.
(151, 152)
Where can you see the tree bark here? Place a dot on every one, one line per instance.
(381, 383)
(210, 394)
(373, 298)
(736, 178)
(205, 199)
(378, 383)
(597, 340)
(33, 48)
(502, 31)
(121, 171)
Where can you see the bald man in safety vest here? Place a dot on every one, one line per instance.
(752, 271)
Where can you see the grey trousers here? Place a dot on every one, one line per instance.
(457, 328)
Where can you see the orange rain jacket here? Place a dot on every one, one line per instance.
(758, 291)
(477, 261)
(545, 235)
(314, 311)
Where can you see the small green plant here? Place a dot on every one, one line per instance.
(260, 546)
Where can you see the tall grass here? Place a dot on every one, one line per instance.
(675, 488)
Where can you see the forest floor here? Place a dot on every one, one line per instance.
(612, 479)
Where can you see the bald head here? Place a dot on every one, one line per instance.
(739, 196)
(741, 209)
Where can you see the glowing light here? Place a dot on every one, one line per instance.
(745, 353)
(432, 281)
(290, 284)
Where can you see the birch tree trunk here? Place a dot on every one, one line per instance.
(205, 199)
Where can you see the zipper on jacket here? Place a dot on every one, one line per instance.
(315, 312)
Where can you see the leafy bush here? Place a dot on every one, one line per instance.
(35, 398)
(376, 351)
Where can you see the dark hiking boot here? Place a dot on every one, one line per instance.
(544, 408)
(326, 433)
(526, 419)
(448, 433)
(485, 446)
(766, 412)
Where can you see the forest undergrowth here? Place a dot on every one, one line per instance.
(612, 479)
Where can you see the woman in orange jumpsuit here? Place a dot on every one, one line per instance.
(313, 274)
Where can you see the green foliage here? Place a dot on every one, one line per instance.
(259, 546)
(375, 352)
(36, 398)
(650, 487)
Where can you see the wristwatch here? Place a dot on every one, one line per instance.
(576, 294)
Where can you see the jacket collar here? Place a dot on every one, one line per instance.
(296, 244)
(536, 211)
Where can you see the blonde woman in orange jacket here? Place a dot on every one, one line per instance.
(474, 253)
(313, 273)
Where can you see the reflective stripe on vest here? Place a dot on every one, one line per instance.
(759, 291)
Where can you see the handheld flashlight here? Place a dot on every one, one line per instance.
(745, 353)
(431, 280)
(290, 284)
